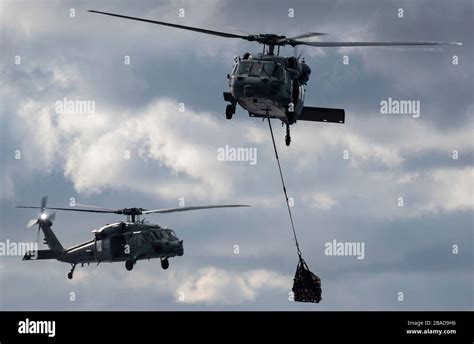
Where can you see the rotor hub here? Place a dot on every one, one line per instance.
(131, 211)
(269, 39)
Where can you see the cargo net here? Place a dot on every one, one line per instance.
(306, 285)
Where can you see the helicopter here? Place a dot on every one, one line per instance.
(126, 241)
(268, 85)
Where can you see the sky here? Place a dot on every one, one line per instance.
(346, 180)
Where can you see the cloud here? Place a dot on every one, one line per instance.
(214, 286)
(118, 149)
(323, 201)
(162, 151)
(454, 190)
(382, 164)
(210, 285)
(35, 120)
(173, 153)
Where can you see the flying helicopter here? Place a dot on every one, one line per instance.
(126, 241)
(268, 85)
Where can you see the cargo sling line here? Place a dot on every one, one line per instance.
(306, 285)
(284, 190)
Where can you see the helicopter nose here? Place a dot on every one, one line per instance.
(158, 247)
(249, 90)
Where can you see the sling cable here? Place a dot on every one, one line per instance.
(306, 285)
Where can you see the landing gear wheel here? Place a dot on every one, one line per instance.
(70, 273)
(229, 111)
(129, 265)
(165, 263)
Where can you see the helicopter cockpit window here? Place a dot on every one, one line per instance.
(268, 69)
(169, 234)
(250, 68)
(244, 67)
(165, 235)
(256, 69)
(156, 235)
(147, 235)
(264, 69)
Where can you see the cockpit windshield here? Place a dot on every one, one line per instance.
(168, 234)
(172, 234)
(156, 235)
(268, 69)
(264, 69)
(256, 69)
(243, 67)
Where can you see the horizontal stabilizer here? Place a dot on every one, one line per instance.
(319, 114)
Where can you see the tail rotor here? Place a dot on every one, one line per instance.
(43, 218)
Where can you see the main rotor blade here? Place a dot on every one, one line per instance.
(93, 206)
(173, 210)
(373, 44)
(71, 209)
(306, 35)
(190, 28)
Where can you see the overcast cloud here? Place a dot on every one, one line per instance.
(173, 155)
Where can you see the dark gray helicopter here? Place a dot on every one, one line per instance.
(127, 241)
(271, 86)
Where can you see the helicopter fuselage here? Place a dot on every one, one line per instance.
(116, 242)
(269, 86)
(124, 241)
(273, 86)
